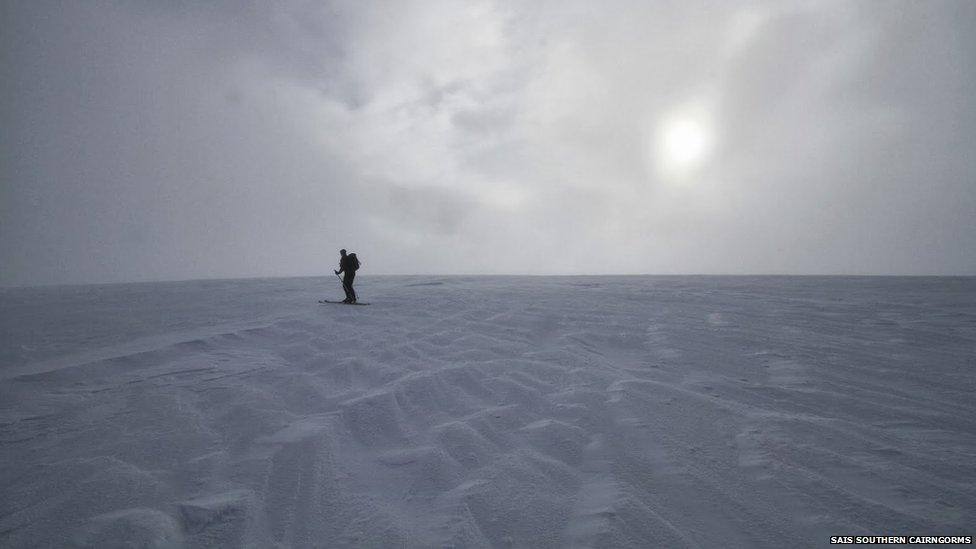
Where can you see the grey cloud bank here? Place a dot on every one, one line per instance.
(148, 141)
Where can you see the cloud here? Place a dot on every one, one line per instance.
(182, 140)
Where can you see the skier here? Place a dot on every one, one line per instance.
(348, 265)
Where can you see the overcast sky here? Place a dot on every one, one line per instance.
(170, 140)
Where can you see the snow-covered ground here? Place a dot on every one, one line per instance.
(488, 411)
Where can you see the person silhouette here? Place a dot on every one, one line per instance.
(348, 265)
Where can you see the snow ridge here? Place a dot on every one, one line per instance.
(491, 412)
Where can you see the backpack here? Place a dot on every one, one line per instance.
(353, 262)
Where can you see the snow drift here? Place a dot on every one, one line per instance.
(488, 412)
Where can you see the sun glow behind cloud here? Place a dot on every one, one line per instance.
(683, 143)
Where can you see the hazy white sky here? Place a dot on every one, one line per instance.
(170, 140)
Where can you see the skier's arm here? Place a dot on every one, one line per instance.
(340, 268)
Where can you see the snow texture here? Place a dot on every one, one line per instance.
(488, 412)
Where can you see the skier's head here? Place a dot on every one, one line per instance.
(342, 252)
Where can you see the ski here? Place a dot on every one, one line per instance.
(340, 303)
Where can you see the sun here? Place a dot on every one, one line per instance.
(683, 145)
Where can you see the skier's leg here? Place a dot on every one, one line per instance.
(352, 292)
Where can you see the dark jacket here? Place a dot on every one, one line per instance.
(348, 264)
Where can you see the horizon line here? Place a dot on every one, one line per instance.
(561, 275)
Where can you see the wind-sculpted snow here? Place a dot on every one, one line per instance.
(488, 412)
